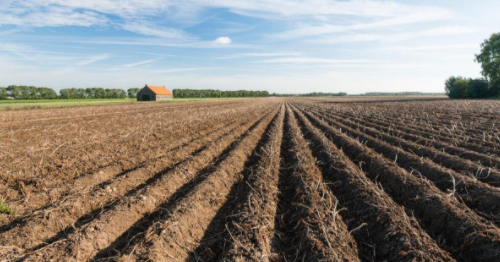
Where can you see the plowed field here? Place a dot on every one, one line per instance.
(253, 180)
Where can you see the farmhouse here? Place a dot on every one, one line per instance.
(154, 93)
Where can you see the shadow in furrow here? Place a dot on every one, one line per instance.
(136, 233)
(87, 218)
(213, 243)
(21, 221)
(24, 219)
(105, 183)
(283, 233)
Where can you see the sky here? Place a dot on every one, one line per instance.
(283, 46)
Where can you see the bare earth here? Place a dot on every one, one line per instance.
(272, 179)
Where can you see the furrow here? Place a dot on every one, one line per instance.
(486, 160)
(181, 231)
(466, 167)
(72, 150)
(381, 228)
(252, 228)
(475, 194)
(464, 129)
(309, 226)
(85, 200)
(39, 202)
(464, 142)
(464, 233)
(86, 241)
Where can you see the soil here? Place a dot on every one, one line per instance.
(271, 179)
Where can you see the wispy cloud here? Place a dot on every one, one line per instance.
(439, 31)
(182, 70)
(14, 47)
(275, 43)
(308, 31)
(152, 30)
(141, 63)
(133, 14)
(53, 16)
(19, 50)
(94, 59)
(257, 8)
(10, 31)
(312, 60)
(156, 42)
(427, 48)
(276, 54)
(321, 8)
(433, 32)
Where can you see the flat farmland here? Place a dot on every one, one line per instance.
(271, 179)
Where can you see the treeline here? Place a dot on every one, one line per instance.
(206, 93)
(92, 93)
(461, 87)
(27, 92)
(313, 94)
(33, 92)
(487, 87)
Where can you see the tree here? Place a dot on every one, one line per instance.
(50, 94)
(478, 88)
(81, 93)
(101, 93)
(120, 93)
(3, 93)
(89, 92)
(204, 93)
(489, 58)
(132, 92)
(456, 87)
(65, 93)
(45, 93)
(14, 91)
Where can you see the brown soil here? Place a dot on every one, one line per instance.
(308, 224)
(436, 211)
(310, 179)
(477, 195)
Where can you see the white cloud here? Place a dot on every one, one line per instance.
(53, 17)
(14, 47)
(181, 70)
(257, 8)
(223, 40)
(427, 48)
(386, 22)
(439, 31)
(347, 38)
(313, 60)
(320, 8)
(307, 31)
(94, 59)
(152, 30)
(156, 42)
(141, 63)
(433, 32)
(382, 77)
(39, 13)
(241, 55)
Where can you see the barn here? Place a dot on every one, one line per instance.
(154, 93)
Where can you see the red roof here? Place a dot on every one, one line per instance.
(159, 90)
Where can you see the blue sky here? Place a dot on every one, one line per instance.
(284, 46)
